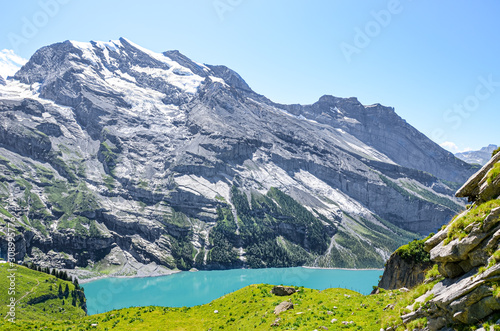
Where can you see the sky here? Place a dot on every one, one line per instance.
(436, 62)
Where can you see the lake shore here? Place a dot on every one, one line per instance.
(129, 270)
(91, 279)
(159, 271)
(350, 269)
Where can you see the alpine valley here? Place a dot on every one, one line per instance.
(115, 160)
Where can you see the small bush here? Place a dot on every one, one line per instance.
(493, 173)
(417, 324)
(414, 251)
(433, 273)
(495, 152)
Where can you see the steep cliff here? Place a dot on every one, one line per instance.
(406, 267)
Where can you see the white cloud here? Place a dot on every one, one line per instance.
(10, 62)
(452, 147)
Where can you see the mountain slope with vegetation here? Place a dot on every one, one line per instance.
(115, 160)
(251, 308)
(37, 296)
(454, 285)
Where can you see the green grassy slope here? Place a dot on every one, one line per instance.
(250, 308)
(37, 296)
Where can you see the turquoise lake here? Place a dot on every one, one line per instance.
(196, 288)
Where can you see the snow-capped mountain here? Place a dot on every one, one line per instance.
(10, 63)
(114, 156)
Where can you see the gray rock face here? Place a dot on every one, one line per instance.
(399, 273)
(467, 294)
(377, 126)
(466, 300)
(480, 157)
(482, 186)
(2, 81)
(109, 145)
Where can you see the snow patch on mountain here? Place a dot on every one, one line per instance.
(16, 90)
(113, 45)
(176, 75)
(88, 53)
(142, 100)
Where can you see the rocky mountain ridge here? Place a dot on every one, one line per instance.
(114, 157)
(481, 156)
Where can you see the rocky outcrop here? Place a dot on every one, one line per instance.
(481, 187)
(459, 256)
(400, 272)
(466, 300)
(466, 252)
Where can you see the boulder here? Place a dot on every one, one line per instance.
(284, 306)
(283, 291)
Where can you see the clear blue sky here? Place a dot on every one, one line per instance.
(436, 62)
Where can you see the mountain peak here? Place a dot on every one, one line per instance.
(164, 150)
(490, 148)
(477, 157)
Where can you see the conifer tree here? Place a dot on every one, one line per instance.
(66, 290)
